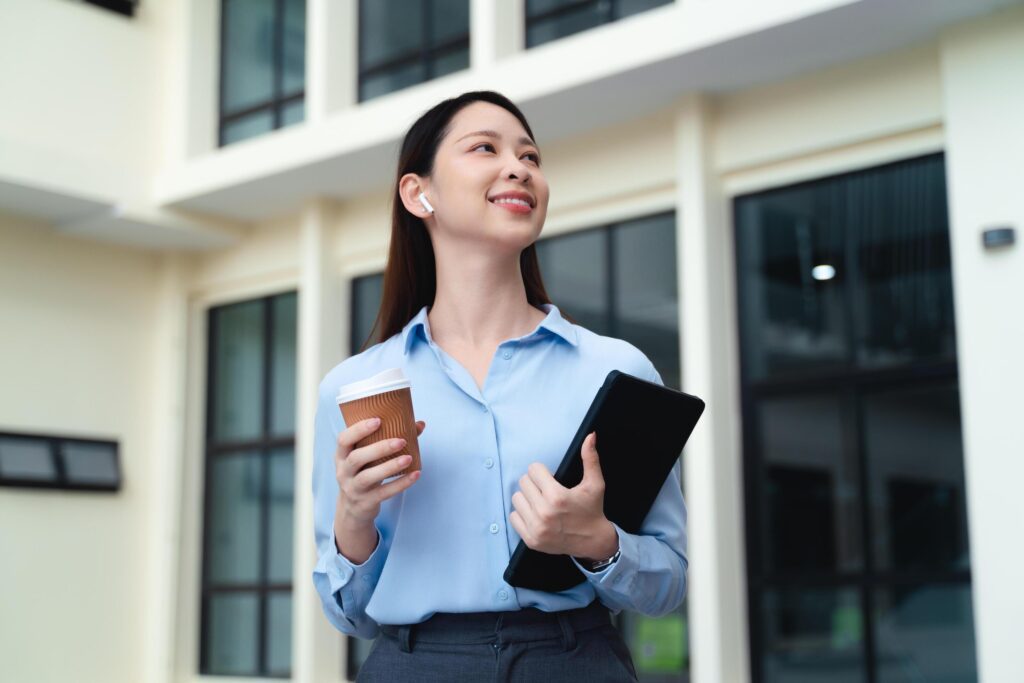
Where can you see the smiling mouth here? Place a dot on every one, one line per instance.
(513, 206)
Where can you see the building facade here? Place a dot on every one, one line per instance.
(804, 212)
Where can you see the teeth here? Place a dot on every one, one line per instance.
(505, 200)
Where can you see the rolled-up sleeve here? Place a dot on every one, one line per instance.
(345, 588)
(650, 575)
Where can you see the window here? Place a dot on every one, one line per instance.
(548, 20)
(405, 42)
(617, 280)
(125, 7)
(857, 548)
(262, 66)
(248, 498)
(33, 461)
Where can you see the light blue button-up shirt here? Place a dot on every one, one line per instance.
(445, 542)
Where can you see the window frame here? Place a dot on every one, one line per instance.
(278, 99)
(62, 482)
(853, 387)
(427, 56)
(265, 445)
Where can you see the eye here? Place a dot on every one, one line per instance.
(536, 157)
(481, 145)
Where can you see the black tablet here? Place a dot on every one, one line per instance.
(641, 430)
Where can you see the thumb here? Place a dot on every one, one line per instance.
(591, 461)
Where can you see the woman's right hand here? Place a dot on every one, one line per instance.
(361, 492)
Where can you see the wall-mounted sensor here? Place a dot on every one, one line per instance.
(998, 237)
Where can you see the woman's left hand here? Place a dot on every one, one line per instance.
(562, 521)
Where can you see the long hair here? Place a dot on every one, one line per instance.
(410, 278)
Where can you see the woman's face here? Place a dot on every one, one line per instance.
(473, 168)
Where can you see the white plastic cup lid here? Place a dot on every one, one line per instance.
(388, 380)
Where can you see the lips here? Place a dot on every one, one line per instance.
(526, 197)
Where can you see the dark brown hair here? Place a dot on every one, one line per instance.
(409, 277)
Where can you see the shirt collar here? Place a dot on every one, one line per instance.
(554, 322)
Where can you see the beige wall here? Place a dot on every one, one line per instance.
(77, 360)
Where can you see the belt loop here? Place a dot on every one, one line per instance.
(568, 634)
(405, 638)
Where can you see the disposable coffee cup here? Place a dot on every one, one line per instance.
(386, 395)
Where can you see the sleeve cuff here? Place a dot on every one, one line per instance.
(622, 569)
(341, 571)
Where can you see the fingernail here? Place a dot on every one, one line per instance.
(397, 443)
(374, 421)
(405, 458)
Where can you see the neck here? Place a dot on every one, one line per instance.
(480, 301)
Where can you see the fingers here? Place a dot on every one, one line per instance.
(371, 477)
(541, 477)
(398, 485)
(521, 528)
(363, 456)
(524, 508)
(420, 426)
(591, 461)
(349, 437)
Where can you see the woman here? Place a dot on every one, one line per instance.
(505, 380)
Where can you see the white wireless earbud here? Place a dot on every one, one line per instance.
(425, 203)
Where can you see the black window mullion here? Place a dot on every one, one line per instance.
(268, 350)
(278, 60)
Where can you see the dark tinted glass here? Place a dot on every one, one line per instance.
(294, 45)
(238, 363)
(27, 460)
(904, 296)
(575, 272)
(282, 396)
(813, 635)
(548, 20)
(809, 487)
(281, 501)
(925, 633)
(89, 463)
(233, 543)
(248, 74)
(279, 634)
(915, 465)
(801, 321)
(645, 299)
(233, 643)
(405, 42)
(367, 292)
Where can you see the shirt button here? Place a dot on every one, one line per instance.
(494, 528)
(503, 594)
(488, 463)
(506, 355)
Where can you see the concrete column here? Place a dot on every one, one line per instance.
(983, 91)
(332, 57)
(712, 457)
(316, 644)
(164, 467)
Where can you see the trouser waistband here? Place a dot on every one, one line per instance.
(497, 628)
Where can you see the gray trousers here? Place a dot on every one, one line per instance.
(525, 645)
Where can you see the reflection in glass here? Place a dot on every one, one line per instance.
(813, 635)
(26, 459)
(575, 273)
(915, 465)
(564, 24)
(281, 499)
(279, 633)
(282, 396)
(233, 640)
(645, 296)
(248, 53)
(238, 384)
(367, 292)
(89, 463)
(247, 127)
(294, 45)
(800, 321)
(904, 304)
(810, 487)
(234, 495)
(389, 29)
(925, 633)
(398, 78)
(293, 112)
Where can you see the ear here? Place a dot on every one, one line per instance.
(409, 188)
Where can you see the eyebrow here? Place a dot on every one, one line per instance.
(494, 134)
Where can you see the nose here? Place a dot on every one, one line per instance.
(518, 170)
